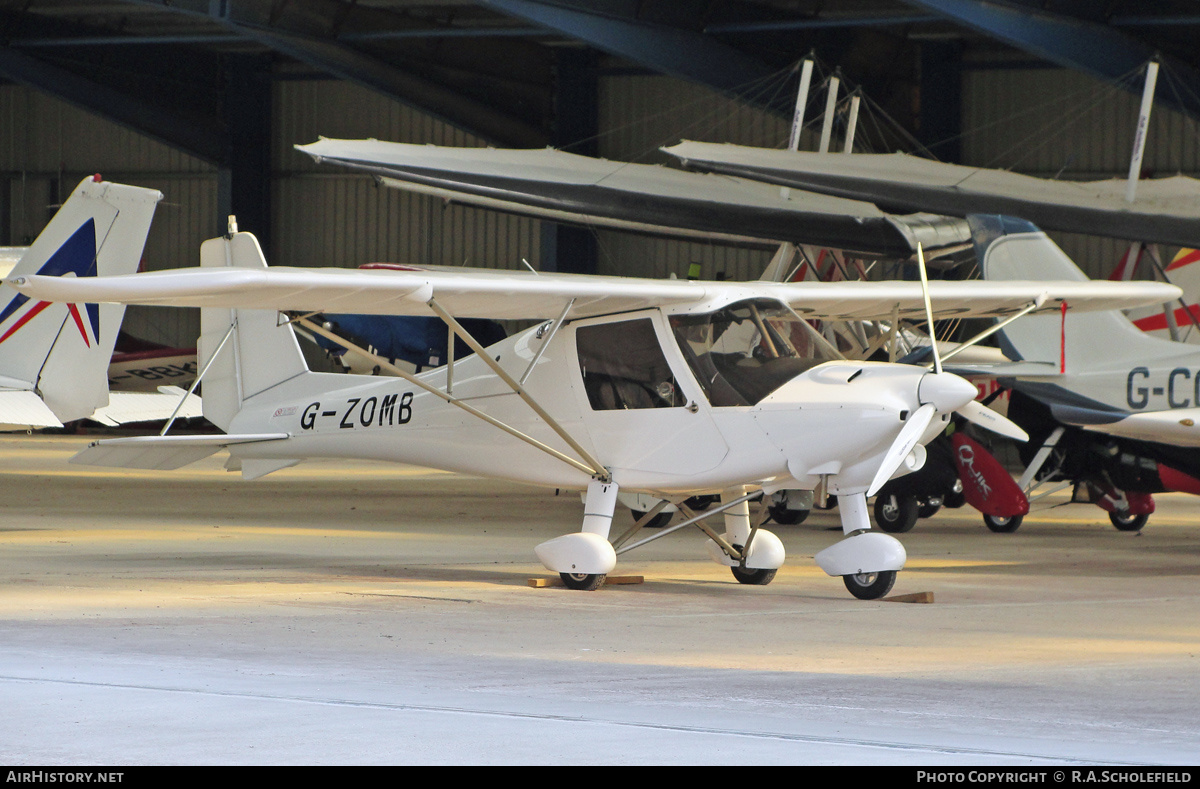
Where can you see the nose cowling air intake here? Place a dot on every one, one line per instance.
(945, 391)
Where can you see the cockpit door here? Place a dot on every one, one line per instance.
(640, 404)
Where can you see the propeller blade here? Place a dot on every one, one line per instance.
(937, 357)
(988, 419)
(909, 435)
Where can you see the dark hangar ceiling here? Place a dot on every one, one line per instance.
(189, 72)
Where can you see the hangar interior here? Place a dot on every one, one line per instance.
(205, 100)
(349, 612)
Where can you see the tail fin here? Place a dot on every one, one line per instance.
(1013, 249)
(62, 351)
(257, 353)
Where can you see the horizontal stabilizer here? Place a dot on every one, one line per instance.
(1179, 426)
(127, 407)
(162, 453)
(26, 408)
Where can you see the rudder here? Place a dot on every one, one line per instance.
(62, 351)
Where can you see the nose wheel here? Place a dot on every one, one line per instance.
(1002, 525)
(870, 586)
(1126, 521)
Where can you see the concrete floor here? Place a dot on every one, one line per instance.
(352, 613)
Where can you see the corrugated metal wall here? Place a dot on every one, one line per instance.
(48, 146)
(1044, 121)
(328, 217)
(639, 114)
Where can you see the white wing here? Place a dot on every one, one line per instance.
(518, 295)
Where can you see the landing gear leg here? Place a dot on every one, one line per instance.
(583, 560)
(737, 533)
(867, 561)
(759, 553)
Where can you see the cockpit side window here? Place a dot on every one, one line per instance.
(623, 366)
(743, 352)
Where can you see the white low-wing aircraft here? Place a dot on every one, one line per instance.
(1117, 417)
(670, 388)
(55, 357)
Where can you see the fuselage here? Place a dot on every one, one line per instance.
(667, 403)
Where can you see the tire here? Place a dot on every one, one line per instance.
(1126, 522)
(930, 508)
(786, 517)
(746, 575)
(1003, 525)
(896, 514)
(657, 522)
(870, 586)
(583, 581)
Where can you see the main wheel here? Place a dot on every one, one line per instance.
(785, 517)
(930, 507)
(747, 575)
(1003, 525)
(896, 514)
(587, 582)
(657, 522)
(1124, 521)
(870, 586)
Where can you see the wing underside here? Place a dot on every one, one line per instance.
(654, 199)
(525, 295)
(1166, 210)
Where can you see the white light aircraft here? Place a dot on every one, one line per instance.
(670, 388)
(54, 357)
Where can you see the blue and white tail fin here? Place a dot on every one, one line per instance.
(253, 351)
(1013, 249)
(54, 357)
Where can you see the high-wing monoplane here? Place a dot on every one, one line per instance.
(670, 388)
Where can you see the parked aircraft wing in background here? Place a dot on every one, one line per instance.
(1166, 210)
(646, 198)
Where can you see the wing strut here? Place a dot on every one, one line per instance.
(988, 332)
(195, 383)
(598, 471)
(732, 552)
(595, 470)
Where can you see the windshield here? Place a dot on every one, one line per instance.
(743, 352)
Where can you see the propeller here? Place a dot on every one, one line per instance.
(938, 392)
(900, 449)
(974, 411)
(979, 414)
